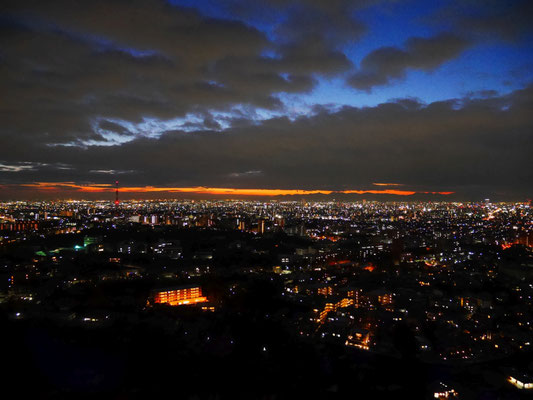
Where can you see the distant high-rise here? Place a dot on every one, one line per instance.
(261, 226)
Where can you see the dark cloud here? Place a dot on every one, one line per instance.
(508, 20)
(74, 63)
(482, 93)
(385, 64)
(334, 21)
(113, 127)
(77, 75)
(477, 147)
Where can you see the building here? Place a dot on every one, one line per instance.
(261, 226)
(521, 380)
(443, 391)
(360, 338)
(179, 295)
(167, 248)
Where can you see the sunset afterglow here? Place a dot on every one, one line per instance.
(61, 187)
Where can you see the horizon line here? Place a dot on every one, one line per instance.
(48, 187)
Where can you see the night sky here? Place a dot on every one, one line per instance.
(191, 98)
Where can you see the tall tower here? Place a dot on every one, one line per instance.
(116, 194)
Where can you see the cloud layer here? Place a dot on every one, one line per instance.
(383, 65)
(156, 93)
(469, 146)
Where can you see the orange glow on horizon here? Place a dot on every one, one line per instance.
(384, 191)
(387, 184)
(443, 193)
(100, 188)
(95, 188)
(155, 189)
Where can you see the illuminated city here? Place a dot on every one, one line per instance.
(445, 285)
(266, 199)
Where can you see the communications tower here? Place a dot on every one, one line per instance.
(116, 194)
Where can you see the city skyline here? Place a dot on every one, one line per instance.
(266, 199)
(267, 99)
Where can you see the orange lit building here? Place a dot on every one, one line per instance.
(357, 296)
(20, 226)
(381, 297)
(261, 226)
(385, 299)
(325, 290)
(342, 303)
(178, 296)
(360, 338)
